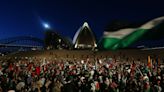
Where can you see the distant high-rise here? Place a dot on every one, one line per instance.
(84, 38)
(54, 41)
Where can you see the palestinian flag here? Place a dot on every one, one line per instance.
(122, 38)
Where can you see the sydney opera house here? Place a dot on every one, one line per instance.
(84, 38)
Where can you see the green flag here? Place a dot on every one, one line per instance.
(124, 37)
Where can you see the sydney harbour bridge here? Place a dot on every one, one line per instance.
(20, 43)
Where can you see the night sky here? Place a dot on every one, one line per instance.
(24, 17)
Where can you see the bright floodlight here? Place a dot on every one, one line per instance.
(47, 26)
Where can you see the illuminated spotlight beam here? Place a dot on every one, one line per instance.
(46, 25)
(43, 23)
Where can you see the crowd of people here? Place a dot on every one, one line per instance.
(62, 75)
